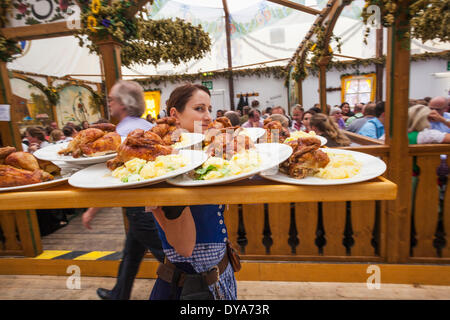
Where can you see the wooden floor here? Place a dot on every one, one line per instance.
(54, 288)
(108, 235)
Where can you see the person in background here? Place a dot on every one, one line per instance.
(278, 110)
(126, 103)
(56, 136)
(69, 133)
(326, 127)
(244, 117)
(150, 119)
(306, 121)
(255, 104)
(427, 100)
(297, 116)
(346, 112)
(267, 112)
(419, 131)
(219, 113)
(254, 120)
(368, 113)
(84, 125)
(358, 110)
(233, 116)
(439, 117)
(316, 108)
(374, 128)
(336, 115)
(36, 138)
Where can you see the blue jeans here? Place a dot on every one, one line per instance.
(142, 235)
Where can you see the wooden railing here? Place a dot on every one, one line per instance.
(19, 233)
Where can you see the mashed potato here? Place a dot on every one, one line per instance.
(139, 169)
(341, 166)
(300, 134)
(216, 168)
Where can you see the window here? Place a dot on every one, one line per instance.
(152, 99)
(359, 88)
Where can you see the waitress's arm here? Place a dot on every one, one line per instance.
(180, 232)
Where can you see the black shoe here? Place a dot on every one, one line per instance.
(104, 294)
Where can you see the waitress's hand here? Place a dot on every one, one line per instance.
(33, 147)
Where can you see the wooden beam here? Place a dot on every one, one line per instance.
(378, 67)
(296, 6)
(38, 31)
(396, 126)
(229, 57)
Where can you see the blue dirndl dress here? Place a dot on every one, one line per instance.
(210, 247)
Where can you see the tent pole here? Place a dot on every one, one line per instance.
(379, 67)
(9, 130)
(396, 127)
(230, 62)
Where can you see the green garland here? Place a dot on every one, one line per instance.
(8, 48)
(143, 41)
(277, 72)
(429, 19)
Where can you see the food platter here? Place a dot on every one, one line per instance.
(60, 179)
(323, 140)
(50, 153)
(371, 168)
(272, 154)
(99, 176)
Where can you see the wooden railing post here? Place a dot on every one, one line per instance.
(9, 130)
(111, 62)
(396, 120)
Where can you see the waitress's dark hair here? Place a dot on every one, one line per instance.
(181, 95)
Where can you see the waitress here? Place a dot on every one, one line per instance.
(194, 238)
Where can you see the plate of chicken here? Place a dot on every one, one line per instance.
(223, 125)
(142, 159)
(232, 158)
(311, 164)
(175, 137)
(21, 170)
(98, 143)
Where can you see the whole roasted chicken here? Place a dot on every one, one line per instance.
(225, 145)
(92, 142)
(306, 158)
(165, 128)
(218, 127)
(140, 144)
(275, 132)
(21, 168)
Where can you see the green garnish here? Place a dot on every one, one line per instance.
(202, 172)
(124, 179)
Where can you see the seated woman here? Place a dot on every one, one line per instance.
(307, 119)
(336, 114)
(322, 125)
(419, 131)
(194, 238)
(346, 112)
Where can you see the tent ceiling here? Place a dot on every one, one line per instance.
(261, 31)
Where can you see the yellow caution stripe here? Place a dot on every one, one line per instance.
(79, 255)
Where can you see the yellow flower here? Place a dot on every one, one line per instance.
(313, 47)
(95, 6)
(92, 23)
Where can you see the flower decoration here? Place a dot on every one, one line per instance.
(95, 6)
(92, 23)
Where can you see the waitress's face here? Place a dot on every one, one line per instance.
(196, 115)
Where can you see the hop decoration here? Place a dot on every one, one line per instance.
(429, 19)
(143, 41)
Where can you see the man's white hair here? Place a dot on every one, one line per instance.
(131, 95)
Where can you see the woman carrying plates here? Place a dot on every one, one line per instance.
(198, 259)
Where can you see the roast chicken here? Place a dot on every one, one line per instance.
(22, 168)
(306, 158)
(140, 144)
(165, 128)
(225, 145)
(92, 142)
(218, 127)
(108, 127)
(273, 129)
